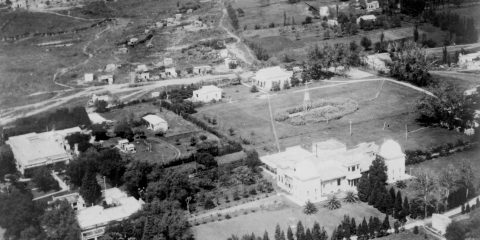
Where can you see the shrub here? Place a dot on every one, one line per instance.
(415, 230)
(333, 203)
(227, 216)
(254, 89)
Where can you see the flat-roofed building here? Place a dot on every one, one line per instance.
(156, 123)
(267, 78)
(40, 149)
(93, 220)
(207, 94)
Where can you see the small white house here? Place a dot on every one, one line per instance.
(332, 22)
(178, 16)
(125, 146)
(171, 72)
(110, 67)
(266, 78)
(155, 94)
(144, 76)
(207, 94)
(88, 77)
(372, 6)
(366, 18)
(141, 68)
(156, 123)
(201, 69)
(167, 62)
(324, 11)
(469, 61)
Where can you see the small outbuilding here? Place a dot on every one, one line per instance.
(155, 123)
(366, 18)
(207, 94)
(267, 78)
(88, 77)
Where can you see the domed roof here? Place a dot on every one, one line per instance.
(306, 169)
(390, 149)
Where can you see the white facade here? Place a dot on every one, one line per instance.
(372, 6)
(324, 11)
(266, 78)
(171, 72)
(202, 69)
(469, 61)
(156, 123)
(39, 149)
(207, 94)
(366, 18)
(92, 220)
(330, 168)
(88, 77)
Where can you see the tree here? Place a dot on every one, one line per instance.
(366, 43)
(19, 214)
(252, 160)
(350, 197)
(123, 130)
(101, 106)
(308, 234)
(300, 234)
(363, 188)
(398, 204)
(111, 165)
(265, 236)
(385, 225)
(294, 81)
(406, 207)
(90, 190)
(7, 162)
(455, 231)
(99, 131)
(409, 64)
(289, 233)
(79, 139)
(333, 203)
(233, 16)
(310, 208)
(253, 89)
(44, 181)
(60, 222)
(278, 232)
(425, 184)
(415, 34)
(448, 181)
(165, 220)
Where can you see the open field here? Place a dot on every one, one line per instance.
(463, 81)
(285, 214)
(20, 22)
(394, 107)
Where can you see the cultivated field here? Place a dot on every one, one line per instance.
(285, 214)
(394, 107)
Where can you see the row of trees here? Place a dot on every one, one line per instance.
(463, 28)
(321, 59)
(449, 108)
(301, 233)
(60, 119)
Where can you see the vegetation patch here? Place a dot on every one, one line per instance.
(319, 111)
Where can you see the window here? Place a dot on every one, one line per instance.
(339, 181)
(353, 169)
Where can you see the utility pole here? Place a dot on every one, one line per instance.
(384, 124)
(350, 127)
(104, 184)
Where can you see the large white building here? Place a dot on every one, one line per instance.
(266, 78)
(92, 220)
(207, 94)
(39, 149)
(155, 123)
(469, 61)
(330, 167)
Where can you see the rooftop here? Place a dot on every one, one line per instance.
(154, 119)
(96, 118)
(36, 148)
(98, 216)
(208, 89)
(272, 74)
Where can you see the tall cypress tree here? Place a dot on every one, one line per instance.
(316, 231)
(385, 224)
(300, 234)
(398, 205)
(392, 193)
(282, 236)
(406, 207)
(377, 224)
(371, 227)
(340, 235)
(353, 226)
(289, 233)
(365, 231)
(363, 188)
(278, 232)
(90, 190)
(308, 234)
(265, 236)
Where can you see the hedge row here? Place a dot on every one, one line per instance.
(418, 156)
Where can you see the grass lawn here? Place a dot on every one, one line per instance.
(286, 214)
(395, 106)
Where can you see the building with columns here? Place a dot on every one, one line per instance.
(330, 168)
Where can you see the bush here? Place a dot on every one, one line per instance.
(44, 181)
(254, 89)
(227, 216)
(209, 204)
(415, 230)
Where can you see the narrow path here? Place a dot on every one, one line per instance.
(272, 122)
(247, 57)
(64, 15)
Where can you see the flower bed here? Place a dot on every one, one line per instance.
(320, 111)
